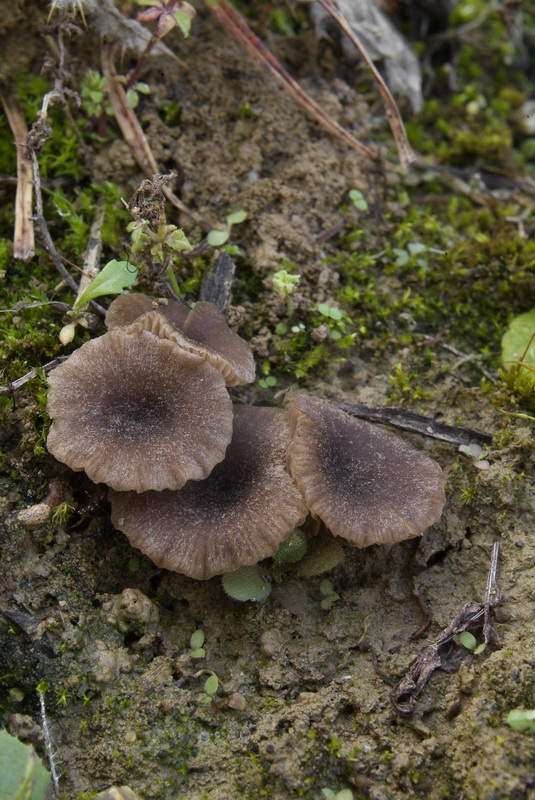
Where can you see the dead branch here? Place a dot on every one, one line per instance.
(405, 151)
(23, 238)
(236, 25)
(443, 653)
(417, 423)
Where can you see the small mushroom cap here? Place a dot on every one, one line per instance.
(365, 483)
(236, 517)
(207, 329)
(137, 413)
(203, 331)
(127, 308)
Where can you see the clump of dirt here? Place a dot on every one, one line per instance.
(110, 633)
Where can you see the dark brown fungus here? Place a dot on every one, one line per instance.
(126, 308)
(365, 483)
(203, 331)
(236, 517)
(137, 412)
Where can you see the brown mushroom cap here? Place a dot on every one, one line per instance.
(236, 517)
(365, 483)
(203, 331)
(137, 413)
(126, 308)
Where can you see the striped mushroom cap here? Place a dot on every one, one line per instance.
(366, 484)
(137, 412)
(237, 516)
(202, 331)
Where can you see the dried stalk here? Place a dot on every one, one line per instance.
(236, 25)
(23, 238)
(133, 132)
(405, 151)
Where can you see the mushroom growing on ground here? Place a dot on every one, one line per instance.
(237, 516)
(202, 331)
(364, 483)
(137, 412)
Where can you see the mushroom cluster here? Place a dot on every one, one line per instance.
(203, 486)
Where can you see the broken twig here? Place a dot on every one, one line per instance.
(23, 238)
(417, 423)
(443, 653)
(236, 25)
(405, 151)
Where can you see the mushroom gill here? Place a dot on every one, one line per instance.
(202, 331)
(137, 412)
(366, 484)
(236, 517)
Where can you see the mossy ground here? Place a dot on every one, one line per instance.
(436, 261)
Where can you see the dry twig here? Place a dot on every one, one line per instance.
(442, 653)
(236, 25)
(23, 238)
(417, 423)
(405, 151)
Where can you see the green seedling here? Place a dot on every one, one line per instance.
(286, 284)
(469, 641)
(344, 794)
(210, 688)
(93, 94)
(196, 644)
(329, 595)
(520, 720)
(357, 198)
(159, 243)
(218, 237)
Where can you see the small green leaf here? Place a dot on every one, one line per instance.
(357, 198)
(236, 217)
(402, 257)
(183, 21)
(520, 720)
(415, 248)
(324, 554)
(328, 794)
(22, 774)
(291, 549)
(197, 639)
(468, 640)
(199, 653)
(479, 649)
(519, 343)
(281, 329)
(115, 277)
(210, 687)
(216, 238)
(246, 583)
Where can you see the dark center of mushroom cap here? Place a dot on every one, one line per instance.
(237, 516)
(365, 483)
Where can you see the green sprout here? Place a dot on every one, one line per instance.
(344, 794)
(196, 644)
(93, 94)
(218, 237)
(357, 198)
(469, 641)
(329, 595)
(520, 720)
(167, 239)
(286, 284)
(210, 688)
